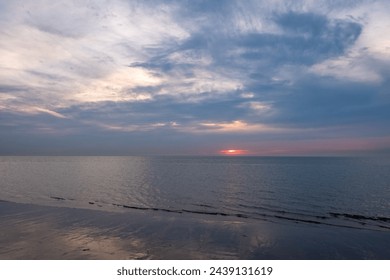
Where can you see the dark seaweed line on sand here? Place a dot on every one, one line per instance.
(360, 217)
(61, 198)
(264, 216)
(181, 211)
(331, 215)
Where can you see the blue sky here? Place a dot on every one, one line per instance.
(194, 77)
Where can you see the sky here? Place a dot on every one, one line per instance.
(219, 77)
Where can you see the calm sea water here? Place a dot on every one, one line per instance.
(341, 192)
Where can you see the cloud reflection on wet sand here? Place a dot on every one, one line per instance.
(41, 232)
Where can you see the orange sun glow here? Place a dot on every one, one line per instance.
(233, 152)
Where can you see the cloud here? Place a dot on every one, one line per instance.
(237, 126)
(64, 49)
(181, 68)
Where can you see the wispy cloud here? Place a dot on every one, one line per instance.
(214, 69)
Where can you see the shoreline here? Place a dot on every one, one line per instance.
(46, 232)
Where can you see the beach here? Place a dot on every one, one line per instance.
(45, 232)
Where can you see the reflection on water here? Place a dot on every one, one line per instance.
(36, 232)
(44, 241)
(41, 232)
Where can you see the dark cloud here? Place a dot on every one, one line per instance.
(312, 39)
(188, 76)
(319, 102)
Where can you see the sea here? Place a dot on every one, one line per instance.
(349, 192)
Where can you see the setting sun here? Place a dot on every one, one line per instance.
(233, 152)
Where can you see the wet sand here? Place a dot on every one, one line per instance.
(45, 232)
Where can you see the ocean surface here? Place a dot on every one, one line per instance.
(328, 191)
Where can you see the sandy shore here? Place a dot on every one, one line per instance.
(43, 232)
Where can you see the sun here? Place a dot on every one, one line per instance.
(233, 152)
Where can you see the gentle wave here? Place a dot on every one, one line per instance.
(345, 220)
